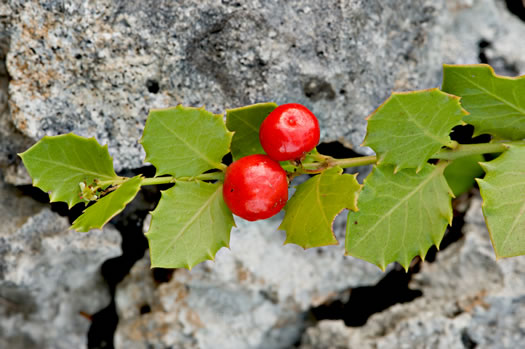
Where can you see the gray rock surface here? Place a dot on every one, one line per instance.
(254, 295)
(12, 141)
(469, 300)
(49, 276)
(489, 23)
(96, 68)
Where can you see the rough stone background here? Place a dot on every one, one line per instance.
(49, 275)
(96, 67)
(470, 300)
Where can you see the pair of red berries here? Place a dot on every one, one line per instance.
(256, 186)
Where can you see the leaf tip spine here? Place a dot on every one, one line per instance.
(480, 181)
(405, 266)
(382, 266)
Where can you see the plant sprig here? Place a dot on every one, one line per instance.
(401, 210)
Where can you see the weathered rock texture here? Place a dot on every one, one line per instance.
(484, 29)
(469, 300)
(96, 68)
(49, 276)
(253, 296)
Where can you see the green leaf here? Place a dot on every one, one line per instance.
(312, 209)
(503, 193)
(101, 212)
(410, 127)
(58, 164)
(184, 141)
(245, 122)
(461, 173)
(496, 104)
(190, 224)
(400, 215)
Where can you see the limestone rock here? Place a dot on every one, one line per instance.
(253, 296)
(49, 277)
(469, 300)
(487, 27)
(96, 68)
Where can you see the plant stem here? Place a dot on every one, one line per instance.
(326, 162)
(170, 179)
(458, 151)
(158, 180)
(469, 149)
(167, 179)
(353, 162)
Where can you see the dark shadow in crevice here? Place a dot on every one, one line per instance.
(453, 234)
(336, 150)
(227, 159)
(134, 244)
(368, 300)
(482, 45)
(464, 135)
(161, 275)
(152, 86)
(500, 65)
(467, 341)
(517, 7)
(57, 207)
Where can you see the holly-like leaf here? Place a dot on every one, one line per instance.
(58, 164)
(461, 173)
(101, 212)
(184, 141)
(312, 209)
(245, 122)
(190, 224)
(410, 127)
(503, 193)
(400, 215)
(496, 104)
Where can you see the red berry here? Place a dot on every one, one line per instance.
(289, 132)
(255, 187)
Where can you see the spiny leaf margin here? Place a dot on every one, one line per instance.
(310, 212)
(410, 127)
(58, 164)
(190, 224)
(245, 123)
(419, 205)
(185, 141)
(496, 103)
(503, 193)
